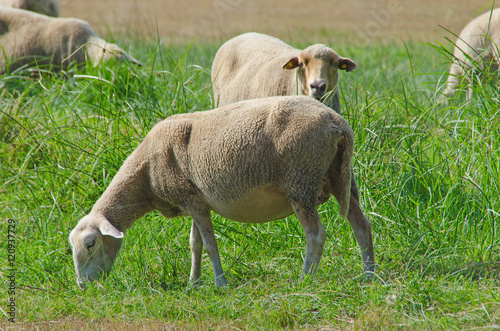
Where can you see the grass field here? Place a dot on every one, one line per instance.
(429, 178)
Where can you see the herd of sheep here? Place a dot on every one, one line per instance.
(276, 145)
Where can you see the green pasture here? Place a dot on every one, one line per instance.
(427, 168)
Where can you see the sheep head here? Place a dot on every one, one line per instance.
(96, 243)
(317, 72)
(99, 51)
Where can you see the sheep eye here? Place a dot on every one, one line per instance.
(90, 244)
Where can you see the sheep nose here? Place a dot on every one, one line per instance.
(318, 88)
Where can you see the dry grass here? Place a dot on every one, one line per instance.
(339, 20)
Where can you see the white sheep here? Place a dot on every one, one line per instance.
(254, 161)
(476, 50)
(32, 39)
(254, 65)
(45, 7)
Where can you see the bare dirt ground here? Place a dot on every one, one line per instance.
(357, 21)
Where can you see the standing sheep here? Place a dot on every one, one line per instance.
(31, 39)
(254, 161)
(254, 65)
(476, 49)
(45, 7)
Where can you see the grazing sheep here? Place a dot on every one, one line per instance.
(254, 65)
(254, 161)
(45, 7)
(476, 48)
(32, 39)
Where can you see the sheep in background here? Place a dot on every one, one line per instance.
(476, 49)
(254, 161)
(45, 7)
(254, 65)
(32, 39)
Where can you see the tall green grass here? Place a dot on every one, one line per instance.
(428, 172)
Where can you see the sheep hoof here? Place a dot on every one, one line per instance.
(221, 281)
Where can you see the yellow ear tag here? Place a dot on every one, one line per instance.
(289, 65)
(343, 66)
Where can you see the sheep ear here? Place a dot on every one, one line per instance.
(292, 63)
(107, 229)
(347, 64)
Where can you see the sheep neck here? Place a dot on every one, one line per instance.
(125, 200)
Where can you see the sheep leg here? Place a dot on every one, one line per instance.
(362, 229)
(206, 231)
(454, 79)
(315, 236)
(196, 244)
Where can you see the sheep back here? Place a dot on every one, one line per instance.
(244, 54)
(245, 155)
